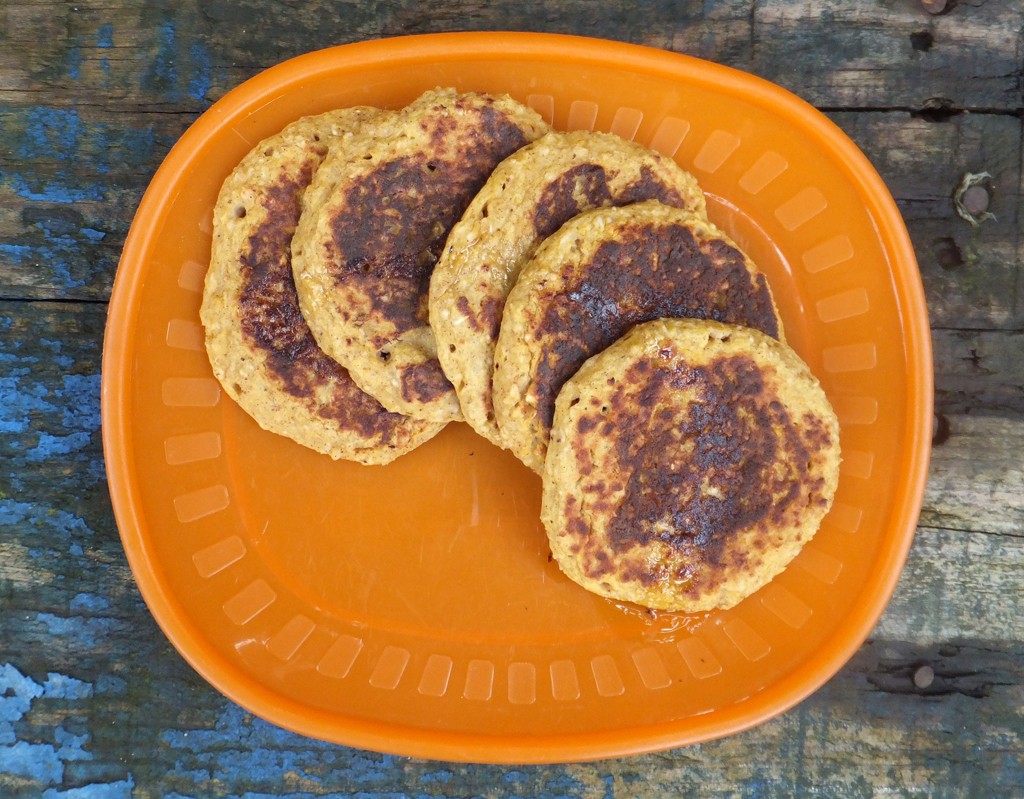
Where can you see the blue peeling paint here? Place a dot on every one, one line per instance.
(16, 253)
(164, 67)
(72, 747)
(122, 789)
(51, 133)
(436, 776)
(241, 746)
(178, 72)
(92, 234)
(18, 400)
(111, 684)
(50, 446)
(37, 762)
(93, 603)
(73, 62)
(202, 72)
(53, 191)
(88, 631)
(60, 686)
(105, 36)
(16, 693)
(28, 514)
(81, 401)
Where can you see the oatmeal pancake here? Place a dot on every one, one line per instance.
(259, 345)
(527, 198)
(589, 283)
(373, 226)
(689, 464)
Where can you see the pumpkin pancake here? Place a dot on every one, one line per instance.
(527, 198)
(689, 464)
(588, 284)
(373, 225)
(261, 349)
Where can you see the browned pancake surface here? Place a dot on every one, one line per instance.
(374, 227)
(526, 199)
(260, 346)
(689, 464)
(601, 274)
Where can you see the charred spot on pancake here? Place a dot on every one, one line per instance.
(487, 319)
(585, 186)
(272, 321)
(270, 315)
(649, 187)
(391, 229)
(734, 461)
(424, 382)
(652, 271)
(577, 189)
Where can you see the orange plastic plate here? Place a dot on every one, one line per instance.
(413, 608)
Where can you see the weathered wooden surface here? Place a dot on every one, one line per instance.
(93, 700)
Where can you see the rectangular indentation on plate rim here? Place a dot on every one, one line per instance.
(435, 677)
(699, 659)
(522, 683)
(184, 334)
(190, 392)
(850, 357)
(829, 253)
(565, 684)
(582, 115)
(216, 557)
(543, 104)
(716, 150)
(286, 642)
(858, 464)
(669, 136)
(820, 565)
(785, 606)
(746, 639)
(389, 668)
(201, 502)
(764, 170)
(192, 276)
(855, 409)
(607, 678)
(340, 657)
(844, 305)
(248, 603)
(801, 208)
(626, 122)
(479, 683)
(192, 447)
(651, 668)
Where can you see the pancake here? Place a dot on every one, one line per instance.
(527, 198)
(601, 273)
(261, 349)
(373, 226)
(689, 464)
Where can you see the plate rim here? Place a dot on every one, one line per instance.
(806, 678)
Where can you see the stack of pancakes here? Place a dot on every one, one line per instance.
(377, 274)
